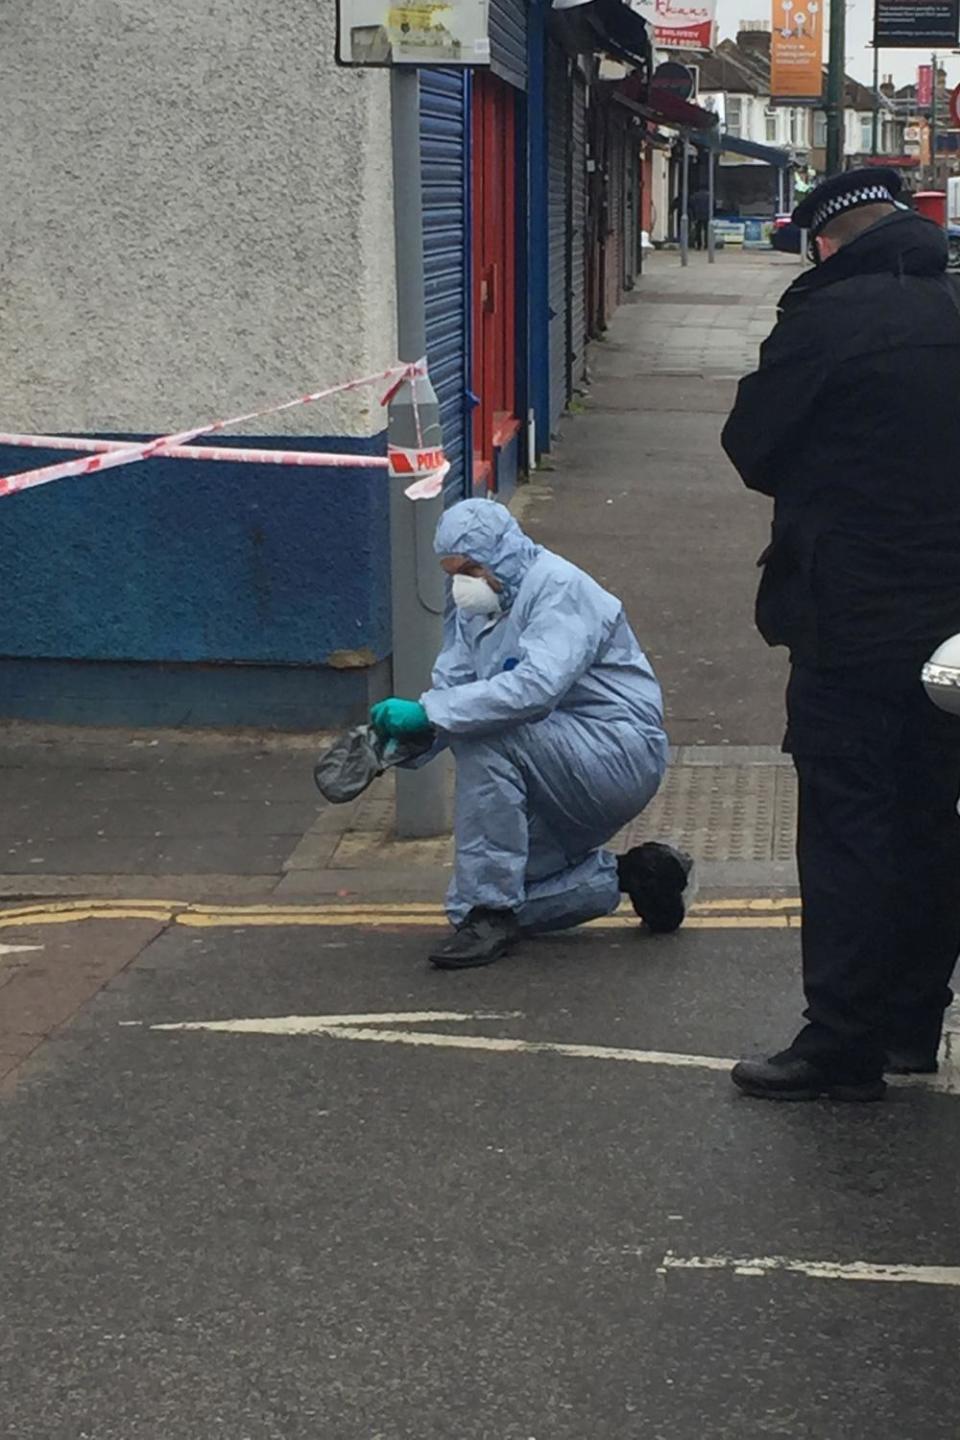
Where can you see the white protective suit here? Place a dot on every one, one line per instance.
(555, 719)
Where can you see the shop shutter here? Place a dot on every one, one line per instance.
(508, 41)
(578, 233)
(443, 141)
(558, 151)
(613, 259)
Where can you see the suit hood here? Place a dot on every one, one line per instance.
(486, 532)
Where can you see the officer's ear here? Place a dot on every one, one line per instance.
(826, 247)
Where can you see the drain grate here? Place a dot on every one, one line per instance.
(722, 813)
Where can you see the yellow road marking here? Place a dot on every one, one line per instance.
(721, 914)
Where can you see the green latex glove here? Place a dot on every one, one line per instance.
(397, 719)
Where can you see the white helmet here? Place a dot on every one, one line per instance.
(941, 676)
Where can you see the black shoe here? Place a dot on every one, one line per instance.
(789, 1077)
(483, 937)
(903, 1061)
(656, 877)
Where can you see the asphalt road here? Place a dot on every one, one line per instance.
(241, 1235)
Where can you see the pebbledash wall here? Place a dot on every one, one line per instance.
(196, 220)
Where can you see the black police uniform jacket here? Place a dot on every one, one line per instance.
(852, 425)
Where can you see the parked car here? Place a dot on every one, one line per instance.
(786, 239)
(953, 241)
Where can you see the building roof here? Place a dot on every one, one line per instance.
(742, 67)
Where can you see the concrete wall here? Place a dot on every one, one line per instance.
(196, 219)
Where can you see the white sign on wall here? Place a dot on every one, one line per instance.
(679, 24)
(413, 32)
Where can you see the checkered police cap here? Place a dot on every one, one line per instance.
(843, 193)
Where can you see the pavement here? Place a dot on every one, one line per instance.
(267, 1174)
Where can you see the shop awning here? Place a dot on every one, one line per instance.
(750, 149)
(611, 26)
(661, 107)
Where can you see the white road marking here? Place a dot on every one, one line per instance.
(322, 1024)
(18, 949)
(355, 1027)
(816, 1269)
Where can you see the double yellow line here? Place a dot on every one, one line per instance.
(735, 913)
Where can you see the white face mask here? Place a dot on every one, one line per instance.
(474, 596)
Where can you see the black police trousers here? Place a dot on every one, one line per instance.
(878, 848)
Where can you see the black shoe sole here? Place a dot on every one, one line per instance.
(848, 1094)
(659, 897)
(443, 962)
(468, 962)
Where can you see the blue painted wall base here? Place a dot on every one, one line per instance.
(267, 697)
(181, 560)
(176, 592)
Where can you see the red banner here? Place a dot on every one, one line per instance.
(924, 86)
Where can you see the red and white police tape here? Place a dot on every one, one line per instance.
(426, 468)
(198, 452)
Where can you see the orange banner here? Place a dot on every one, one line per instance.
(796, 49)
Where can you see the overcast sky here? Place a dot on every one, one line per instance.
(902, 64)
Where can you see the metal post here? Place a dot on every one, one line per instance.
(875, 137)
(933, 122)
(417, 586)
(781, 197)
(711, 191)
(804, 247)
(685, 204)
(835, 87)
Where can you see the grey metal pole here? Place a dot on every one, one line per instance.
(875, 136)
(836, 96)
(417, 584)
(933, 122)
(685, 204)
(711, 191)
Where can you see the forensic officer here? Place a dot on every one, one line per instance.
(555, 721)
(852, 425)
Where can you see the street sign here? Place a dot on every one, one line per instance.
(915, 24)
(954, 105)
(679, 24)
(413, 32)
(673, 78)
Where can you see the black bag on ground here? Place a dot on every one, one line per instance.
(356, 758)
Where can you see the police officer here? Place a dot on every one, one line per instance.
(852, 425)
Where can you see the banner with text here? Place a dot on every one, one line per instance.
(796, 50)
(915, 24)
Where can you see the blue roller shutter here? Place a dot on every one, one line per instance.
(508, 41)
(443, 160)
(558, 161)
(578, 233)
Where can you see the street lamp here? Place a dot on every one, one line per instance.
(836, 69)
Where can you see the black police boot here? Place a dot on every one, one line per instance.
(657, 878)
(788, 1076)
(483, 937)
(913, 1043)
(905, 1060)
